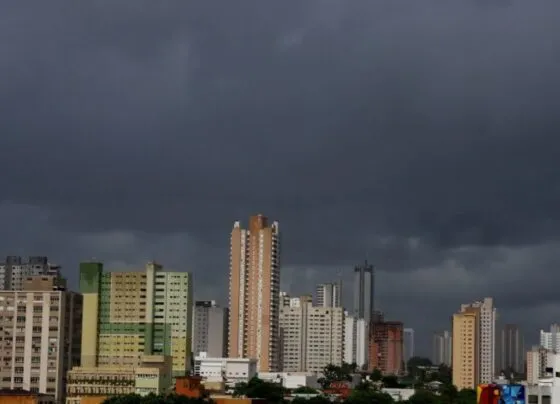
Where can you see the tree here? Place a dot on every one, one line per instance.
(466, 396)
(376, 375)
(312, 400)
(391, 382)
(258, 388)
(333, 373)
(414, 364)
(304, 390)
(369, 397)
(426, 397)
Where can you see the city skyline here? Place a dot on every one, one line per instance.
(364, 129)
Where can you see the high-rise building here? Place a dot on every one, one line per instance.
(512, 350)
(356, 333)
(254, 293)
(408, 344)
(364, 290)
(129, 315)
(386, 347)
(441, 348)
(536, 363)
(473, 344)
(40, 336)
(465, 368)
(210, 324)
(15, 269)
(329, 295)
(551, 339)
(312, 337)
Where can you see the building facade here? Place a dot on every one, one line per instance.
(312, 337)
(550, 339)
(130, 315)
(356, 332)
(386, 347)
(15, 269)
(408, 345)
(254, 293)
(537, 359)
(512, 350)
(328, 295)
(485, 345)
(364, 292)
(210, 329)
(40, 336)
(442, 348)
(465, 354)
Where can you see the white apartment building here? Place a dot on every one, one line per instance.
(408, 344)
(311, 337)
(487, 338)
(442, 348)
(356, 333)
(328, 295)
(546, 389)
(228, 370)
(291, 380)
(40, 337)
(551, 339)
(210, 329)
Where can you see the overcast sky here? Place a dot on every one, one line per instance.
(421, 134)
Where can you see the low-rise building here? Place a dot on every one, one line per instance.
(292, 380)
(8, 396)
(228, 370)
(154, 375)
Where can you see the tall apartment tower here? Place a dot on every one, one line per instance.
(364, 289)
(254, 293)
(441, 348)
(40, 336)
(210, 329)
(131, 314)
(312, 337)
(473, 344)
(15, 269)
(386, 346)
(512, 350)
(408, 344)
(356, 333)
(329, 295)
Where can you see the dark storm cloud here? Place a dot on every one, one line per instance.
(403, 131)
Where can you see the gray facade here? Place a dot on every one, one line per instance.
(210, 329)
(364, 289)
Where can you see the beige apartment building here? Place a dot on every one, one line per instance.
(465, 348)
(254, 293)
(311, 337)
(40, 335)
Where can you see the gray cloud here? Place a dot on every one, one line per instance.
(422, 135)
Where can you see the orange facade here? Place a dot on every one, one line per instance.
(386, 347)
(189, 386)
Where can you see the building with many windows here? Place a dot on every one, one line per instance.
(311, 337)
(132, 314)
(133, 319)
(328, 295)
(40, 336)
(15, 269)
(254, 293)
(210, 325)
(441, 348)
(356, 334)
(386, 345)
